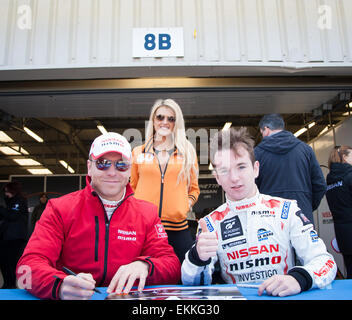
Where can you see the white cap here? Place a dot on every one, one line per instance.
(110, 142)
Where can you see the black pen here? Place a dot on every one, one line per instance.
(68, 271)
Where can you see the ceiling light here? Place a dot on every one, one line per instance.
(304, 129)
(9, 151)
(4, 137)
(39, 171)
(13, 151)
(20, 149)
(27, 162)
(101, 128)
(299, 132)
(70, 170)
(33, 135)
(323, 131)
(347, 113)
(227, 125)
(66, 166)
(312, 124)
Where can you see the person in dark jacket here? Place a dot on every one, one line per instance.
(13, 232)
(288, 167)
(339, 197)
(38, 210)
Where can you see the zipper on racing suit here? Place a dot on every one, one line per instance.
(96, 251)
(107, 225)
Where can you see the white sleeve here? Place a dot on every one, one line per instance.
(310, 249)
(193, 275)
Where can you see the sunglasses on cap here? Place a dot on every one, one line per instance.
(161, 117)
(103, 164)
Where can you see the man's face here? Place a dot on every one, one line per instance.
(236, 173)
(109, 183)
(348, 158)
(265, 132)
(43, 198)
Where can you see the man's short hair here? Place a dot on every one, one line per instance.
(232, 139)
(273, 121)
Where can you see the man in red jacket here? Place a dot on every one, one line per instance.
(102, 233)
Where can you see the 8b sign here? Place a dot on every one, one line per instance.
(158, 42)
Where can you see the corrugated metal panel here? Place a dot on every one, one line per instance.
(88, 33)
(346, 10)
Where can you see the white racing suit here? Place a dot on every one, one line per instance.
(256, 241)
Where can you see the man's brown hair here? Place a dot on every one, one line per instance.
(232, 139)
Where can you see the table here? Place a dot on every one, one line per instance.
(341, 290)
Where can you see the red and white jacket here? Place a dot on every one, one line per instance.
(256, 241)
(74, 232)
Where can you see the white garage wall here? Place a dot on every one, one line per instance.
(87, 33)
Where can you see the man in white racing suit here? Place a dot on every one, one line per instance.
(252, 235)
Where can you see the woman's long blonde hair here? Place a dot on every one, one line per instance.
(183, 146)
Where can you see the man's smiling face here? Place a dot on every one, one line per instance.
(236, 173)
(109, 184)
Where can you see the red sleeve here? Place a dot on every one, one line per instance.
(36, 268)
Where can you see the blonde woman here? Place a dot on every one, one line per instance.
(165, 172)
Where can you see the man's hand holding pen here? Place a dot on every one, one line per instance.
(80, 287)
